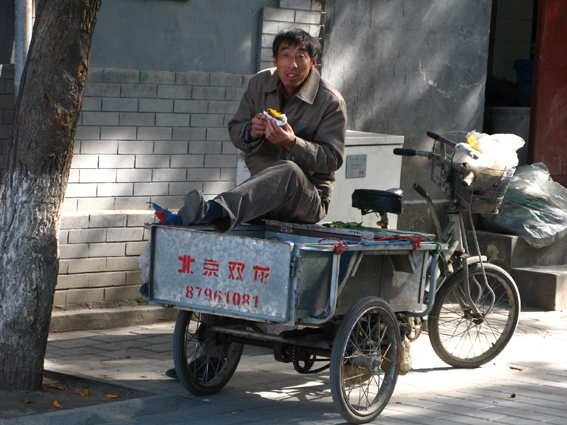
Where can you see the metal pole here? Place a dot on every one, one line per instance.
(23, 29)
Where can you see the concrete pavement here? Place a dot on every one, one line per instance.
(526, 384)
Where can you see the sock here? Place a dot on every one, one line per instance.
(213, 212)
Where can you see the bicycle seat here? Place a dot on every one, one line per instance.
(378, 201)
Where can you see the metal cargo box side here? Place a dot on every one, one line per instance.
(220, 274)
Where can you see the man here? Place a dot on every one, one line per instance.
(292, 166)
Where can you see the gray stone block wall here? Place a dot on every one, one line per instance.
(143, 136)
(308, 15)
(99, 258)
(150, 136)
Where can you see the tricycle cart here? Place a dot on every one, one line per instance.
(343, 295)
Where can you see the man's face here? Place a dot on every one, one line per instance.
(293, 66)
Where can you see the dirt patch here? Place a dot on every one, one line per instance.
(67, 391)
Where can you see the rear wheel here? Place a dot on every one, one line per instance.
(365, 360)
(458, 337)
(204, 360)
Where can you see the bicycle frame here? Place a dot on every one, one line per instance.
(454, 235)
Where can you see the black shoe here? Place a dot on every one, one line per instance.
(171, 373)
(194, 208)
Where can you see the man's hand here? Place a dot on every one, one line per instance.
(283, 136)
(258, 125)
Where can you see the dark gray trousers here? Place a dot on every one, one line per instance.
(280, 192)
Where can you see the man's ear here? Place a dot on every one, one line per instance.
(274, 60)
(313, 63)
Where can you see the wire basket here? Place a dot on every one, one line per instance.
(486, 192)
(440, 172)
(488, 188)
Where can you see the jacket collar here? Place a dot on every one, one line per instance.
(308, 90)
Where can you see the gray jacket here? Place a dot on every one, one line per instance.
(318, 117)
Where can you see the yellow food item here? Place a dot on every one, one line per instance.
(273, 113)
(473, 142)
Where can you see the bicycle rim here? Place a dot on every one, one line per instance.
(460, 339)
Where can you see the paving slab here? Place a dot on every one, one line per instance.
(525, 384)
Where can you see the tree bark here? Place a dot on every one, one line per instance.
(39, 161)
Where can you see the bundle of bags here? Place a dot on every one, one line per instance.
(488, 154)
(534, 207)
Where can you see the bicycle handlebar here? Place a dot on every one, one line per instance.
(439, 138)
(404, 152)
(466, 182)
(413, 152)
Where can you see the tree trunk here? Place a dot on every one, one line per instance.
(39, 160)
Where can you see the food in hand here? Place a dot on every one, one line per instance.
(275, 114)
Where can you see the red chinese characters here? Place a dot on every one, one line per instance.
(211, 268)
(214, 268)
(186, 261)
(262, 273)
(236, 270)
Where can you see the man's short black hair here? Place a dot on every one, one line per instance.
(294, 37)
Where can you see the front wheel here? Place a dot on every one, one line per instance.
(458, 337)
(204, 360)
(365, 360)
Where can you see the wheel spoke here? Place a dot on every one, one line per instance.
(368, 358)
(204, 360)
(461, 338)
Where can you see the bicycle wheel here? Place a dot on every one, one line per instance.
(365, 360)
(204, 360)
(462, 340)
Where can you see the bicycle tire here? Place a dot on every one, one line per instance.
(461, 340)
(193, 339)
(365, 360)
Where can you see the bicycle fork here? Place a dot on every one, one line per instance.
(458, 234)
(455, 235)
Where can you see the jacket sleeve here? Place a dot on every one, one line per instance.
(240, 120)
(247, 109)
(325, 153)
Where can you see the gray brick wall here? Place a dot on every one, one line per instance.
(99, 258)
(142, 136)
(306, 14)
(147, 136)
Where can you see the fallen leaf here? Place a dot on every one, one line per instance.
(516, 368)
(81, 392)
(56, 387)
(513, 395)
(111, 396)
(28, 401)
(56, 404)
(143, 376)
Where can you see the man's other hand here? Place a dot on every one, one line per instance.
(283, 136)
(258, 126)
